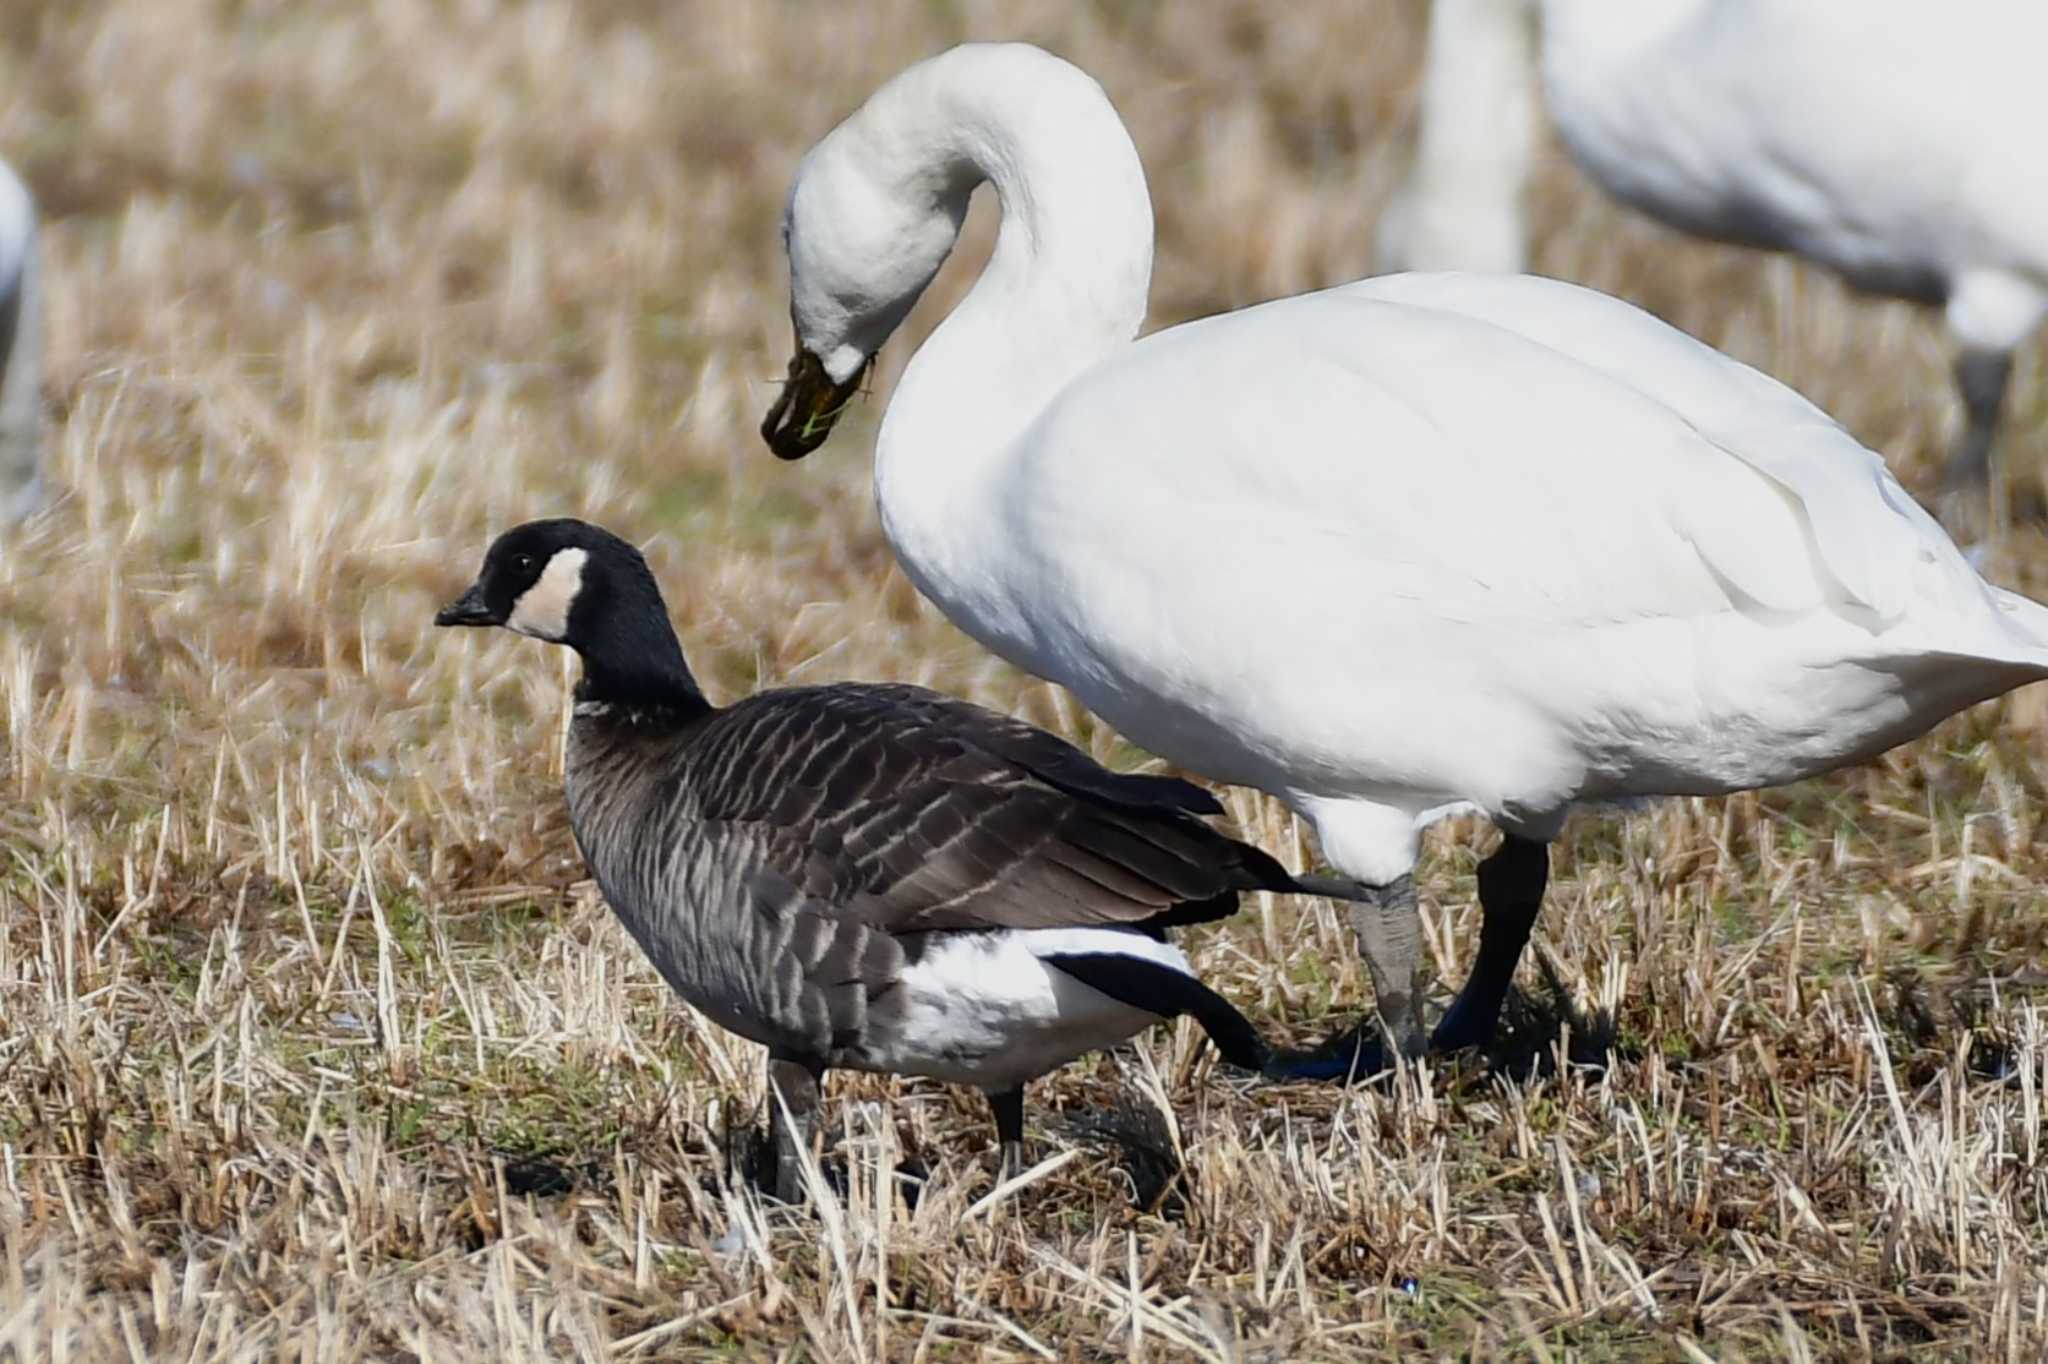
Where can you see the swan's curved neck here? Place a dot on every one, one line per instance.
(1067, 283)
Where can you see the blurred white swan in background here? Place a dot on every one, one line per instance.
(1420, 544)
(1893, 142)
(1475, 137)
(21, 352)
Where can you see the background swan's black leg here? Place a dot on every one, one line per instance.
(1981, 375)
(1511, 884)
(796, 1079)
(1966, 505)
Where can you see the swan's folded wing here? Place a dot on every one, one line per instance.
(1873, 540)
(1417, 469)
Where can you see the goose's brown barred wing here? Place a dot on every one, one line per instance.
(1045, 755)
(910, 811)
(739, 940)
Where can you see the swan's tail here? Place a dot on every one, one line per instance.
(2004, 647)
(1950, 660)
(2026, 620)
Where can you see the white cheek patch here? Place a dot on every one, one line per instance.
(543, 609)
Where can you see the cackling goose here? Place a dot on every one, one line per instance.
(867, 876)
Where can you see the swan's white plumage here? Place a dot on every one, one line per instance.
(1417, 544)
(1895, 144)
(1845, 492)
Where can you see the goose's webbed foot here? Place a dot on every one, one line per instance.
(1358, 1052)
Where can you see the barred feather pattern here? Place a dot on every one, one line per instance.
(785, 860)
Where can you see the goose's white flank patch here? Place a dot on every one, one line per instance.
(987, 1010)
(543, 609)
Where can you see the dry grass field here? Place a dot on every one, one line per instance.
(315, 1045)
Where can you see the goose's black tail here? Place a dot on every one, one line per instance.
(1162, 990)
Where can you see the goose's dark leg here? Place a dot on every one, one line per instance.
(1008, 1108)
(795, 1079)
(1982, 376)
(1511, 886)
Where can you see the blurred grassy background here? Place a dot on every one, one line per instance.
(294, 950)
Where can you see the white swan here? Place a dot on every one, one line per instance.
(1893, 143)
(21, 352)
(1419, 544)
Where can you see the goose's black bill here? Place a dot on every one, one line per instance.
(803, 414)
(468, 609)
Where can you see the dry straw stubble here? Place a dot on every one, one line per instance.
(314, 1045)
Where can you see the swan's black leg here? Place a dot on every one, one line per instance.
(796, 1080)
(1511, 886)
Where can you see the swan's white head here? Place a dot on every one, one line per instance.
(873, 214)
(878, 204)
(863, 243)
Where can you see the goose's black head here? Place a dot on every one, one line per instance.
(569, 582)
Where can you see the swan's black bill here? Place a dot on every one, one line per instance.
(803, 413)
(467, 609)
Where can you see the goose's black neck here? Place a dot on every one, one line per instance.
(643, 687)
(631, 658)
